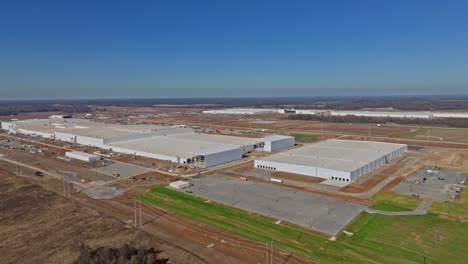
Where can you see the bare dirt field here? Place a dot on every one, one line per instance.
(422, 143)
(39, 226)
(185, 234)
(446, 135)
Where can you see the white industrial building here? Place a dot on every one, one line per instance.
(179, 184)
(177, 144)
(79, 155)
(277, 142)
(241, 111)
(340, 160)
(395, 114)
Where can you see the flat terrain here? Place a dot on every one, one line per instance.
(123, 170)
(455, 135)
(394, 202)
(375, 238)
(408, 239)
(322, 213)
(39, 226)
(437, 187)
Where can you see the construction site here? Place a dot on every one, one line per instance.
(119, 175)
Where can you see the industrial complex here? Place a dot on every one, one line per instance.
(394, 114)
(339, 160)
(180, 145)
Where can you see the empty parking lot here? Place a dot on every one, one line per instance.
(319, 212)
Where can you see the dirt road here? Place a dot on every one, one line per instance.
(207, 243)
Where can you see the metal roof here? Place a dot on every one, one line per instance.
(174, 147)
(83, 127)
(335, 154)
(275, 137)
(239, 141)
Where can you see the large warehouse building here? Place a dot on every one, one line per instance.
(173, 144)
(339, 160)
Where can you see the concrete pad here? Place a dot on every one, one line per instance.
(322, 213)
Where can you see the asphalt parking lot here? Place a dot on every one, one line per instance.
(318, 212)
(437, 186)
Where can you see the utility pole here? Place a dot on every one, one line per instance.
(272, 254)
(63, 181)
(134, 212)
(428, 134)
(19, 171)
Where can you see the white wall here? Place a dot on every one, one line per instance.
(303, 170)
(273, 145)
(36, 133)
(143, 154)
(7, 125)
(77, 156)
(223, 157)
(64, 137)
(87, 141)
(328, 173)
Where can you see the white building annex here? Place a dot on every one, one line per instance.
(241, 111)
(180, 145)
(340, 160)
(79, 155)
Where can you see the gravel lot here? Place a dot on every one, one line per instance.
(123, 169)
(437, 187)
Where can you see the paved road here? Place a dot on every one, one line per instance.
(420, 210)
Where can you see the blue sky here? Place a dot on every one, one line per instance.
(142, 49)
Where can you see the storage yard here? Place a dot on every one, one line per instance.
(435, 184)
(336, 160)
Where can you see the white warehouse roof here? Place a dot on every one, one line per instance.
(167, 145)
(341, 155)
(240, 141)
(275, 137)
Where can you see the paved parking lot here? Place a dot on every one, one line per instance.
(436, 187)
(319, 212)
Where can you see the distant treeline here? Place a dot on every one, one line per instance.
(452, 122)
(19, 108)
(342, 103)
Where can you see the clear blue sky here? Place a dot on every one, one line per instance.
(198, 48)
